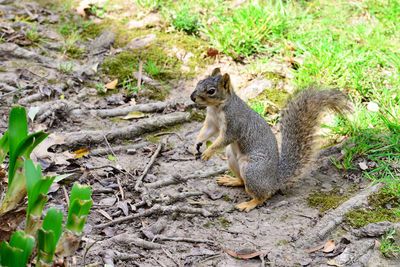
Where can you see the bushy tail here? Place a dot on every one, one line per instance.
(299, 121)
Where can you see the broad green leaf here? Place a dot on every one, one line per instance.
(49, 235)
(17, 132)
(81, 192)
(3, 146)
(25, 148)
(16, 190)
(53, 222)
(33, 175)
(80, 204)
(16, 253)
(37, 187)
(77, 215)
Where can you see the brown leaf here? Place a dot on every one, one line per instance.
(81, 152)
(211, 52)
(311, 250)
(105, 214)
(329, 246)
(245, 256)
(112, 85)
(41, 151)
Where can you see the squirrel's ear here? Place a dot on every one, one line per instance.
(216, 71)
(226, 82)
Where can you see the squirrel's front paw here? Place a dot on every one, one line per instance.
(196, 150)
(207, 154)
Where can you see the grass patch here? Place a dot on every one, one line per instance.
(249, 28)
(390, 244)
(185, 20)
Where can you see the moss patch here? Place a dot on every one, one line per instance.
(383, 206)
(326, 200)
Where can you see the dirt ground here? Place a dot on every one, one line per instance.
(177, 215)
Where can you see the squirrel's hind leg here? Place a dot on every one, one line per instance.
(234, 166)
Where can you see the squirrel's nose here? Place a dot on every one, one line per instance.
(193, 97)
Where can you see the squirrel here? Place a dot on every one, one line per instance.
(251, 146)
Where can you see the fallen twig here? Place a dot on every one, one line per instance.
(182, 239)
(129, 239)
(175, 198)
(156, 209)
(165, 133)
(169, 255)
(139, 181)
(117, 149)
(177, 179)
(110, 255)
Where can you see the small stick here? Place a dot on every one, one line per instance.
(156, 209)
(66, 195)
(159, 262)
(115, 156)
(169, 255)
(165, 133)
(197, 175)
(139, 181)
(181, 239)
(139, 80)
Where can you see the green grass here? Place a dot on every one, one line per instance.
(389, 246)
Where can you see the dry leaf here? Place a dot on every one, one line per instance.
(363, 166)
(105, 214)
(81, 152)
(329, 246)
(41, 151)
(211, 52)
(112, 85)
(311, 250)
(333, 263)
(124, 207)
(246, 256)
(134, 115)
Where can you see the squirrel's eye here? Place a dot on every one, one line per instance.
(211, 91)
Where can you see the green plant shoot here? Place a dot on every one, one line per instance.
(37, 187)
(20, 146)
(16, 253)
(48, 236)
(80, 204)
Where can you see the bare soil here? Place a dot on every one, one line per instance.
(178, 215)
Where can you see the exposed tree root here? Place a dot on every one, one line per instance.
(84, 138)
(330, 221)
(177, 179)
(156, 209)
